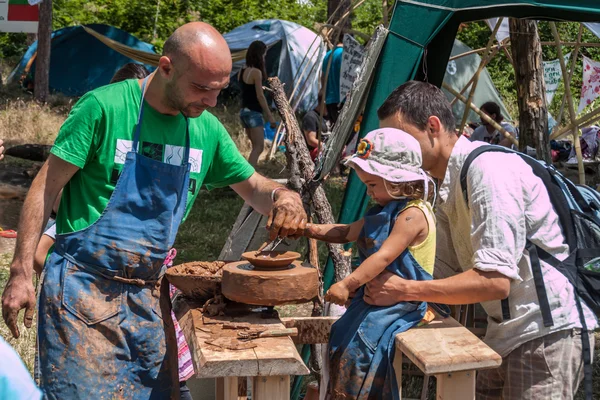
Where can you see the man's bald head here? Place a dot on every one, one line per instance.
(198, 42)
(194, 68)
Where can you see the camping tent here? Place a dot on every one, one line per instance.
(288, 45)
(459, 72)
(78, 61)
(423, 32)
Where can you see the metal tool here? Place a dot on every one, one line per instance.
(270, 246)
(255, 334)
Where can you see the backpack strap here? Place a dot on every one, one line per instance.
(505, 309)
(540, 286)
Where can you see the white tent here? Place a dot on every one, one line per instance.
(291, 47)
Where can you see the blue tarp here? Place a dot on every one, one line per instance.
(79, 62)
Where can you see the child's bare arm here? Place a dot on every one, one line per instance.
(334, 233)
(410, 224)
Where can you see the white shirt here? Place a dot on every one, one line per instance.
(507, 205)
(481, 133)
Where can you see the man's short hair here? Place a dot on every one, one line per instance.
(492, 107)
(417, 101)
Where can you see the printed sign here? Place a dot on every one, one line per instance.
(553, 76)
(351, 61)
(18, 16)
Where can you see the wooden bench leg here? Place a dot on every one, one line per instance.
(398, 370)
(271, 388)
(227, 388)
(242, 388)
(456, 386)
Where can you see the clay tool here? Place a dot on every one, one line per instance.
(256, 334)
(269, 246)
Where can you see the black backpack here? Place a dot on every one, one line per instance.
(578, 209)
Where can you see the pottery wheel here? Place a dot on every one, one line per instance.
(244, 283)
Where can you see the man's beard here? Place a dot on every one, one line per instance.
(174, 100)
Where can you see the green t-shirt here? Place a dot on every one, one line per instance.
(99, 132)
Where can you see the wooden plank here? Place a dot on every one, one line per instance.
(311, 330)
(456, 386)
(444, 346)
(271, 356)
(271, 388)
(227, 388)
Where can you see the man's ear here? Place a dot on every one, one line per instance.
(434, 126)
(165, 66)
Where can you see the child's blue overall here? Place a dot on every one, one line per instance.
(361, 345)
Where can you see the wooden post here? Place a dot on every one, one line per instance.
(483, 115)
(384, 9)
(227, 388)
(570, 77)
(477, 73)
(301, 174)
(531, 87)
(456, 386)
(42, 62)
(271, 388)
(570, 104)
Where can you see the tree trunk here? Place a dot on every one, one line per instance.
(531, 88)
(42, 61)
(301, 174)
(344, 7)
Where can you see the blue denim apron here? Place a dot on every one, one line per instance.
(361, 344)
(100, 332)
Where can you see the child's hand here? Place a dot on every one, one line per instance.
(338, 294)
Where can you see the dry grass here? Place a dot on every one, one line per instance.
(25, 121)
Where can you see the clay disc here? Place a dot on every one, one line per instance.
(244, 284)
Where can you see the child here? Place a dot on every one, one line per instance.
(398, 235)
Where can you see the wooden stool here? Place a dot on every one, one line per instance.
(449, 351)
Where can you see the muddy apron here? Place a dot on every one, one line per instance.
(361, 344)
(101, 334)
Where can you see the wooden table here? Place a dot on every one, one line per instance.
(449, 351)
(270, 363)
(443, 348)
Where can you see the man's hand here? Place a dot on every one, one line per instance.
(287, 218)
(18, 294)
(338, 294)
(385, 290)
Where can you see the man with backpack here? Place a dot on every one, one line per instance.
(508, 241)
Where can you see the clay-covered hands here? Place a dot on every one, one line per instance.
(338, 294)
(287, 217)
(18, 294)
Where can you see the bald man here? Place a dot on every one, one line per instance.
(131, 158)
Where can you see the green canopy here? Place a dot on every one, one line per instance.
(418, 46)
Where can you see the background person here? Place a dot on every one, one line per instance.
(487, 133)
(254, 103)
(332, 90)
